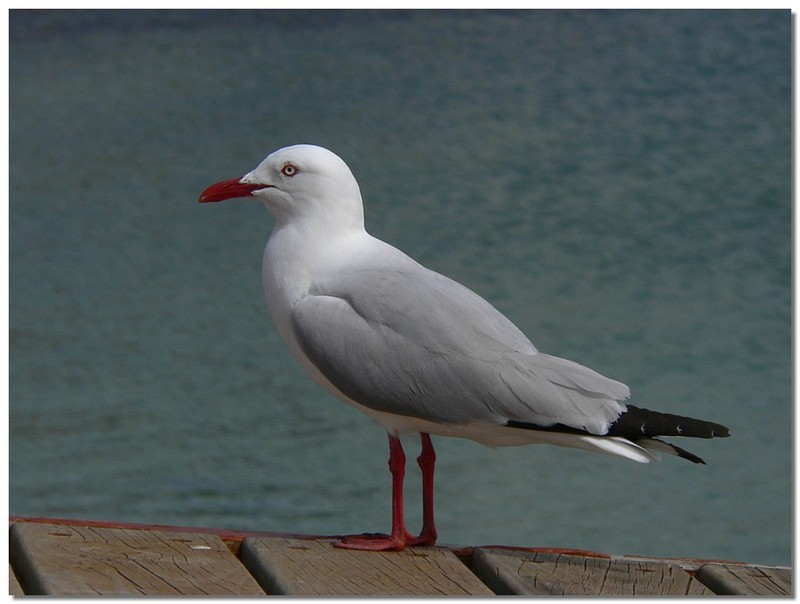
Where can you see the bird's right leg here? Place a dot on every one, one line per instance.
(427, 462)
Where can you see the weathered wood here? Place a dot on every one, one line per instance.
(67, 557)
(14, 588)
(300, 567)
(79, 561)
(545, 573)
(746, 580)
(231, 536)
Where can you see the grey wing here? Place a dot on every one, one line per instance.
(416, 343)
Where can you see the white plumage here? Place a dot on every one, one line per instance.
(413, 349)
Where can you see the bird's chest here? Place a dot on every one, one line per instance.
(289, 270)
(285, 282)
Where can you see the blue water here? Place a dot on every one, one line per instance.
(618, 183)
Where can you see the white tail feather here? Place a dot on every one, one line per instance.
(616, 445)
(497, 435)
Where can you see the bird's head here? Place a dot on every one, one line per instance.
(301, 181)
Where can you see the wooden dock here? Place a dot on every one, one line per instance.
(80, 558)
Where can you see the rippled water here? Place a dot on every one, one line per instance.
(618, 183)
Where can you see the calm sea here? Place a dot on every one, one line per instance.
(617, 183)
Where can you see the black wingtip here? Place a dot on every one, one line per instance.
(721, 432)
(686, 455)
(637, 422)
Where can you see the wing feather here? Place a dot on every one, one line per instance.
(416, 343)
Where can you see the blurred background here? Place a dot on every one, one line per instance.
(617, 182)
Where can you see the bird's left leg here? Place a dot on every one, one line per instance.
(399, 537)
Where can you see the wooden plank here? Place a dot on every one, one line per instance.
(81, 560)
(510, 572)
(231, 536)
(299, 567)
(746, 580)
(14, 588)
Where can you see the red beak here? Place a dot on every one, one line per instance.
(228, 189)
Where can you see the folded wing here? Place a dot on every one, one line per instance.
(415, 343)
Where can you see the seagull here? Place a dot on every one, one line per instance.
(416, 351)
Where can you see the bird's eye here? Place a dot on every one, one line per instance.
(289, 170)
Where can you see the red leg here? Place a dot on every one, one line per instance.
(426, 461)
(397, 540)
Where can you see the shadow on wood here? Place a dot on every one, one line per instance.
(315, 568)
